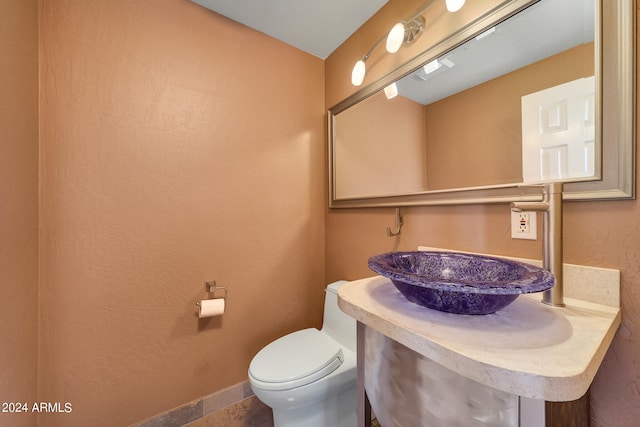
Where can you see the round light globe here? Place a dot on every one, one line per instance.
(454, 5)
(357, 75)
(395, 38)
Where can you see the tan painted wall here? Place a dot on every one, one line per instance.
(18, 207)
(602, 234)
(177, 147)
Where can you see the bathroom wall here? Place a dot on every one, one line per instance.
(176, 147)
(599, 233)
(18, 209)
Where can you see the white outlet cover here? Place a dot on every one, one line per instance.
(532, 234)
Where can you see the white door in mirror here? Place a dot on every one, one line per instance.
(558, 132)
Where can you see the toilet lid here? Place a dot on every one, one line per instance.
(295, 360)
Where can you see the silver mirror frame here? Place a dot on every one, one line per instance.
(615, 37)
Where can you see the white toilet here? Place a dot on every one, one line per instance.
(308, 377)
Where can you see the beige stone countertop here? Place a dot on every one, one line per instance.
(528, 348)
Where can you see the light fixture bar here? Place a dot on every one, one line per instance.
(405, 32)
(413, 29)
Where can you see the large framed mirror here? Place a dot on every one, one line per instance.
(485, 115)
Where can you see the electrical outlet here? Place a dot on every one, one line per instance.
(524, 222)
(523, 225)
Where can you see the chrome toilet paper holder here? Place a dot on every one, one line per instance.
(211, 288)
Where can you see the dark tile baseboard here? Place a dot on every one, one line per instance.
(235, 406)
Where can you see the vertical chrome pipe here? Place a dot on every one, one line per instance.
(552, 258)
(553, 241)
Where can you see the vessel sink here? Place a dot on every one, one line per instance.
(460, 283)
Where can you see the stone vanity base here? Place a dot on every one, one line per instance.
(408, 389)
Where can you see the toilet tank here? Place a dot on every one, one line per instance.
(336, 323)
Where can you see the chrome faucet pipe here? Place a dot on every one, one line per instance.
(551, 208)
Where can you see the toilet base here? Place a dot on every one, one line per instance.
(337, 411)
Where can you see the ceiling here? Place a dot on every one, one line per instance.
(314, 26)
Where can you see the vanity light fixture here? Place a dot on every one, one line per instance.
(402, 33)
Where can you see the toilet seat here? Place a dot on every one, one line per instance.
(295, 360)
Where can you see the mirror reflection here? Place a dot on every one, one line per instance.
(514, 104)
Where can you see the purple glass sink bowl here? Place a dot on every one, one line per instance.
(460, 283)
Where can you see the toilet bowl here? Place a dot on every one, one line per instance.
(308, 377)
